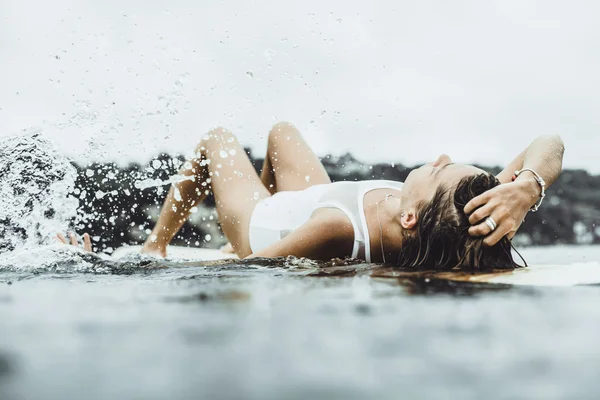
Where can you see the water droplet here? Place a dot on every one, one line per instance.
(256, 195)
(307, 177)
(177, 193)
(232, 152)
(207, 238)
(89, 173)
(156, 164)
(250, 74)
(223, 154)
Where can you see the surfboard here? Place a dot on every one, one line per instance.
(587, 273)
(180, 253)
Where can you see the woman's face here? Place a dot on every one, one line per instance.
(421, 183)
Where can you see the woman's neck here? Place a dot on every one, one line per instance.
(382, 211)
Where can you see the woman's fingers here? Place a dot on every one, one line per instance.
(481, 229)
(481, 213)
(477, 202)
(498, 233)
(508, 209)
(87, 243)
(61, 238)
(73, 238)
(503, 227)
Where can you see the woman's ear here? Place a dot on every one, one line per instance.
(408, 220)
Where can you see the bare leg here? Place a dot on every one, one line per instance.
(290, 164)
(220, 165)
(267, 174)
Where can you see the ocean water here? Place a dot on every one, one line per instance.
(73, 327)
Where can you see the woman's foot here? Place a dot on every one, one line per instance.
(227, 248)
(152, 249)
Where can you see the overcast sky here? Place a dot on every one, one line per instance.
(387, 80)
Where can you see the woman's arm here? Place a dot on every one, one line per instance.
(320, 238)
(544, 155)
(508, 203)
(505, 176)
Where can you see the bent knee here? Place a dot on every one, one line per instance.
(216, 137)
(282, 131)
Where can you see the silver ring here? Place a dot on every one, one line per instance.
(491, 223)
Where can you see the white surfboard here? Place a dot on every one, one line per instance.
(587, 273)
(180, 253)
(545, 275)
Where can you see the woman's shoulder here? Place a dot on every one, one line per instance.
(380, 184)
(366, 185)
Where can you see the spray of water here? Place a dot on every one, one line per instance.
(35, 186)
(149, 183)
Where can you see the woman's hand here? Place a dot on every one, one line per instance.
(507, 204)
(87, 242)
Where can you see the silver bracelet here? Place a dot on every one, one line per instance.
(540, 182)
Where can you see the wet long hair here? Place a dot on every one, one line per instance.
(441, 240)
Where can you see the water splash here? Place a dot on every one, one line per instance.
(34, 191)
(63, 259)
(56, 258)
(148, 183)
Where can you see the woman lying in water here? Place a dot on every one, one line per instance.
(443, 216)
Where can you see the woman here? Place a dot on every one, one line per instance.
(445, 215)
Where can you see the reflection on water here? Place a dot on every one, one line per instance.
(6, 365)
(177, 330)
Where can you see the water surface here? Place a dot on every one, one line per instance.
(273, 333)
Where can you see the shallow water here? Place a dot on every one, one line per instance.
(261, 333)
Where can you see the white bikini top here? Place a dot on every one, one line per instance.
(349, 198)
